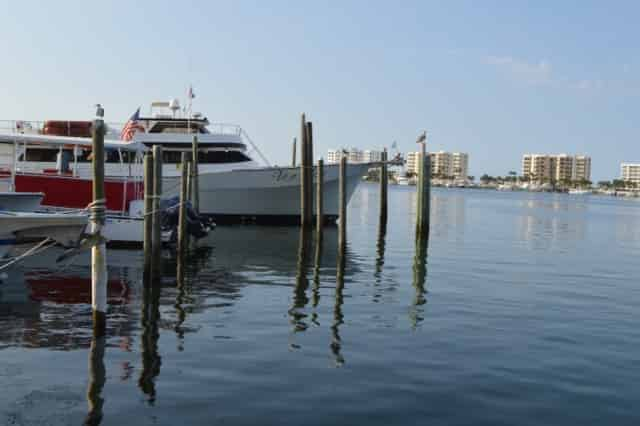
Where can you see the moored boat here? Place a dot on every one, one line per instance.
(233, 187)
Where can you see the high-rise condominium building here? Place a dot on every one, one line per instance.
(371, 156)
(460, 165)
(630, 172)
(582, 168)
(413, 162)
(443, 164)
(560, 167)
(354, 155)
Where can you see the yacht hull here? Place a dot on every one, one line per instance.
(267, 195)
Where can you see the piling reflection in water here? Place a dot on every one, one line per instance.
(416, 313)
(300, 298)
(317, 263)
(151, 360)
(338, 317)
(379, 262)
(97, 379)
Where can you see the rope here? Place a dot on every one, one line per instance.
(32, 251)
(97, 210)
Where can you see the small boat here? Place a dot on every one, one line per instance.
(20, 201)
(580, 191)
(19, 227)
(403, 180)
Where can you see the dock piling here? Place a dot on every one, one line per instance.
(148, 208)
(423, 211)
(309, 150)
(182, 209)
(156, 251)
(97, 219)
(305, 186)
(384, 186)
(194, 193)
(293, 157)
(342, 205)
(320, 197)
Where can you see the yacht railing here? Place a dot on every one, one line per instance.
(114, 130)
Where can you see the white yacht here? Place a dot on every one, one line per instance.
(234, 187)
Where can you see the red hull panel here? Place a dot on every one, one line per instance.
(76, 193)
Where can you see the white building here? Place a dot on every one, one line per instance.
(443, 164)
(354, 155)
(460, 165)
(558, 167)
(372, 156)
(630, 172)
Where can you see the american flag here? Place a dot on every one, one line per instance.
(131, 127)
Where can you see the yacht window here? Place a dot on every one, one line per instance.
(40, 155)
(222, 157)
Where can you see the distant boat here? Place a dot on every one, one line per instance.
(403, 180)
(580, 191)
(506, 187)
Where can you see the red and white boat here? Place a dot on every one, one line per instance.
(233, 186)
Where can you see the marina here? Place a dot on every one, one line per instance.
(244, 315)
(241, 213)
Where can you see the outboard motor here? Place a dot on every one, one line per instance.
(197, 226)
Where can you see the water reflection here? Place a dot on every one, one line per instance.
(448, 212)
(416, 313)
(338, 317)
(379, 262)
(151, 360)
(97, 379)
(550, 224)
(317, 263)
(300, 298)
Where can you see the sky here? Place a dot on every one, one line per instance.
(495, 79)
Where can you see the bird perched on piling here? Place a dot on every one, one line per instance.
(422, 138)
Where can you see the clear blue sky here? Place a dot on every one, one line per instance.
(493, 78)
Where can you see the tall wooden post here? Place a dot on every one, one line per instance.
(98, 212)
(148, 209)
(157, 216)
(182, 209)
(305, 212)
(293, 157)
(384, 186)
(310, 196)
(424, 195)
(195, 178)
(342, 205)
(320, 197)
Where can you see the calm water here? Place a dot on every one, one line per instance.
(526, 313)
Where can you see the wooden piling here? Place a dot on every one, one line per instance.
(182, 209)
(384, 186)
(320, 197)
(305, 186)
(310, 176)
(293, 157)
(424, 196)
(156, 252)
(342, 205)
(148, 208)
(194, 193)
(99, 250)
